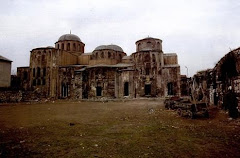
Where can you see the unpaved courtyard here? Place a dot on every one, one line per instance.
(137, 128)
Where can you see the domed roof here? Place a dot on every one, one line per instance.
(69, 37)
(112, 47)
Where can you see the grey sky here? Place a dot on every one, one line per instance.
(199, 31)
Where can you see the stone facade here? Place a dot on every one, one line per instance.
(5, 71)
(67, 72)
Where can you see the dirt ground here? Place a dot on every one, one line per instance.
(138, 128)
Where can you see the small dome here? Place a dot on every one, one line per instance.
(69, 37)
(112, 47)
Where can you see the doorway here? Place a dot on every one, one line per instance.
(170, 88)
(99, 91)
(147, 89)
(126, 89)
(64, 91)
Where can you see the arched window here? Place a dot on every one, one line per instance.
(109, 55)
(57, 46)
(113, 55)
(79, 47)
(96, 55)
(33, 72)
(43, 81)
(25, 75)
(34, 82)
(38, 71)
(139, 46)
(62, 46)
(74, 46)
(39, 82)
(68, 46)
(43, 58)
(153, 58)
(158, 45)
(44, 71)
(102, 55)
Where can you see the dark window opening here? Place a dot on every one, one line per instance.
(153, 58)
(109, 55)
(38, 82)
(99, 91)
(139, 46)
(44, 71)
(62, 46)
(43, 58)
(102, 55)
(126, 89)
(34, 82)
(43, 82)
(33, 72)
(147, 89)
(64, 90)
(38, 72)
(25, 75)
(74, 46)
(68, 46)
(147, 71)
(170, 88)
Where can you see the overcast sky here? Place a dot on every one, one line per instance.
(199, 31)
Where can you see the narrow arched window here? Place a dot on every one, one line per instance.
(139, 46)
(153, 58)
(33, 72)
(44, 72)
(74, 46)
(43, 58)
(68, 46)
(102, 55)
(109, 55)
(158, 45)
(38, 72)
(62, 46)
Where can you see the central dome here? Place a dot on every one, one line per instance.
(112, 47)
(69, 37)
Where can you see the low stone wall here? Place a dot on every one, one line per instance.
(9, 96)
(14, 96)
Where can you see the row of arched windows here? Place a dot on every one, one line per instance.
(106, 55)
(68, 47)
(146, 57)
(149, 44)
(37, 72)
(39, 82)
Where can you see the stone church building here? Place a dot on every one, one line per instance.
(66, 71)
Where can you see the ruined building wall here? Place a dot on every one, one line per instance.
(23, 74)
